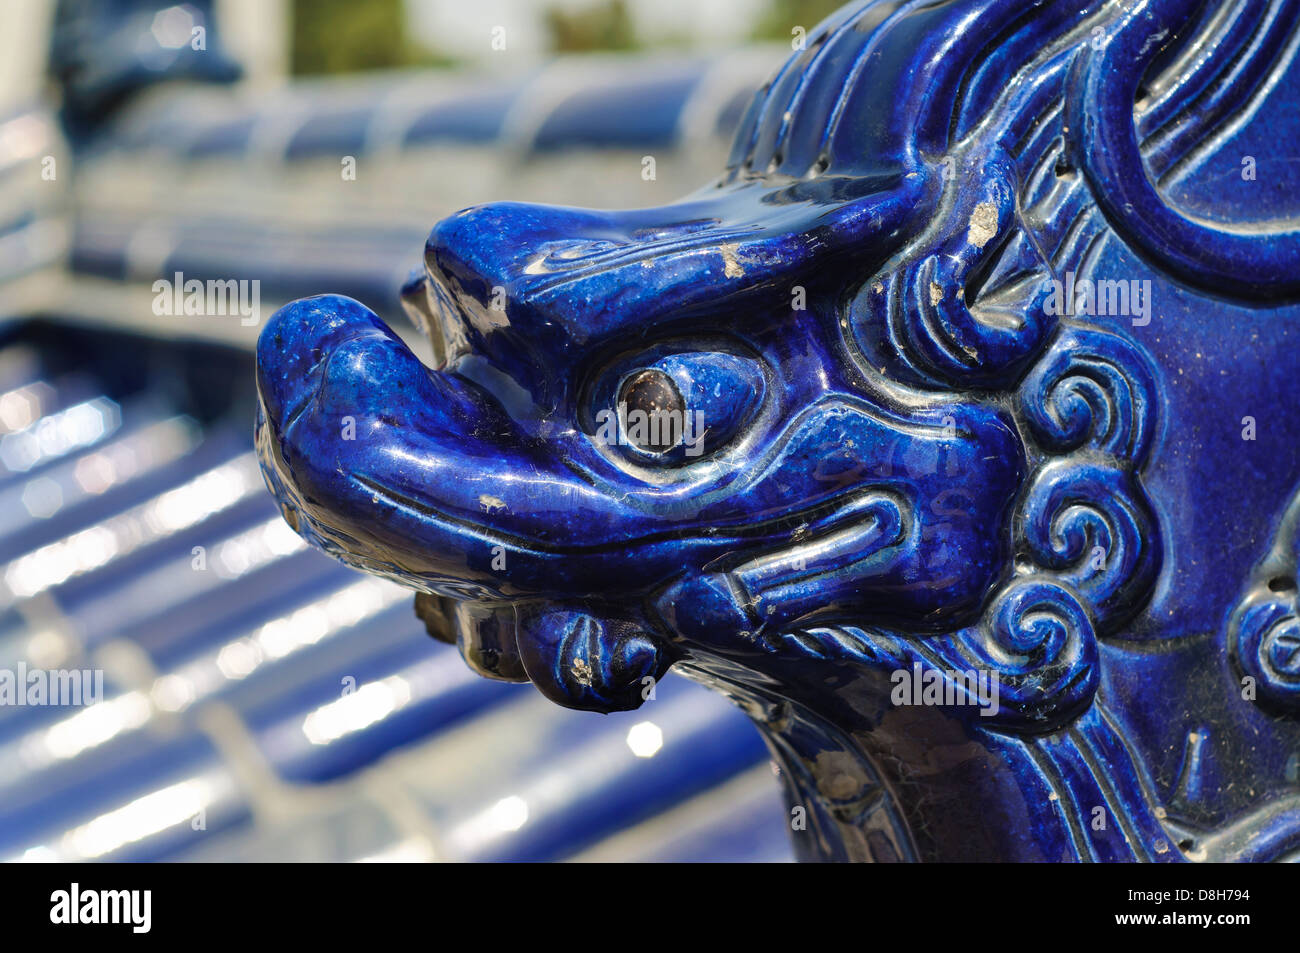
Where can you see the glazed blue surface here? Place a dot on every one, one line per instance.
(913, 462)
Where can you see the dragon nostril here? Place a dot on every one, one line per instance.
(652, 396)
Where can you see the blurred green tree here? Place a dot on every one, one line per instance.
(784, 15)
(342, 36)
(602, 26)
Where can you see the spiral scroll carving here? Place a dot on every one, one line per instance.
(1264, 630)
(1092, 527)
(1085, 519)
(1266, 647)
(1093, 390)
(1034, 655)
(1038, 639)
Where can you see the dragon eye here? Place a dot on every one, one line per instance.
(679, 407)
(651, 396)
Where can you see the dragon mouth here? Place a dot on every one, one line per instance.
(520, 640)
(814, 520)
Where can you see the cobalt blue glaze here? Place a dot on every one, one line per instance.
(989, 521)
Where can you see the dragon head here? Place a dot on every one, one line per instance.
(828, 389)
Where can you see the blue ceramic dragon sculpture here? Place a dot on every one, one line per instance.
(948, 432)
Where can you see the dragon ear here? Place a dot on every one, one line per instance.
(970, 308)
(1221, 67)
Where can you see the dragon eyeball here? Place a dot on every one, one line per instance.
(681, 407)
(652, 394)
